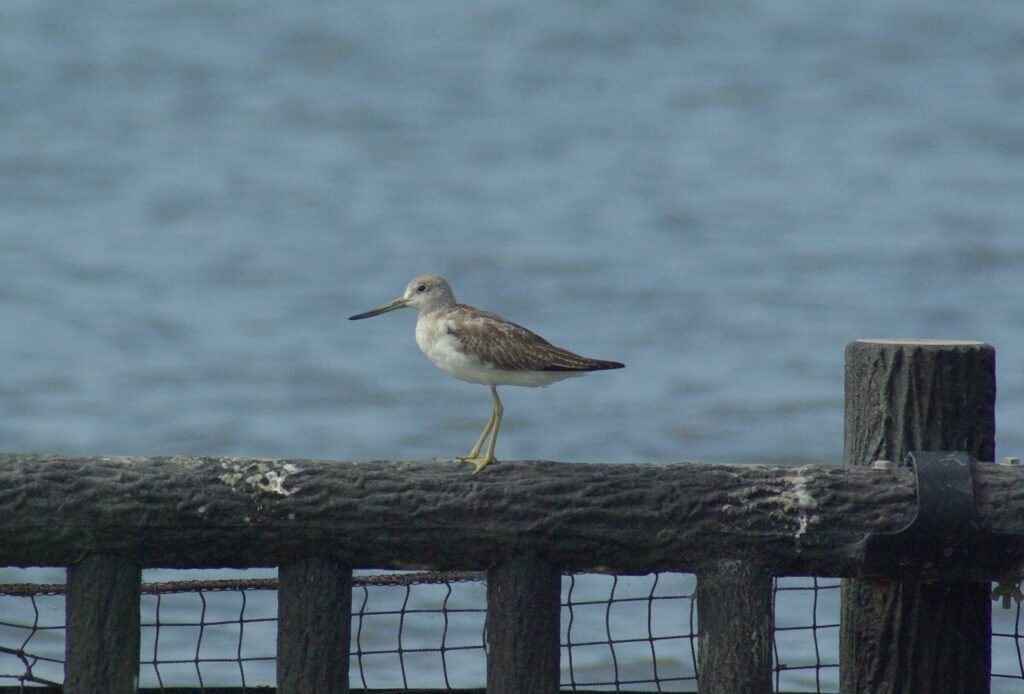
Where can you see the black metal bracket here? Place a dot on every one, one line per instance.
(945, 535)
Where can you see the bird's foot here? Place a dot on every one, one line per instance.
(479, 461)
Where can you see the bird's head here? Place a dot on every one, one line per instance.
(424, 293)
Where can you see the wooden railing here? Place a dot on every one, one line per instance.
(923, 624)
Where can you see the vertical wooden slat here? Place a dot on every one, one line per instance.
(523, 612)
(314, 624)
(734, 609)
(903, 396)
(102, 639)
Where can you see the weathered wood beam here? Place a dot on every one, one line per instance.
(228, 512)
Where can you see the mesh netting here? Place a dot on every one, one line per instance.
(426, 631)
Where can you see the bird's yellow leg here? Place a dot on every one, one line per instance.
(498, 411)
(480, 462)
(475, 453)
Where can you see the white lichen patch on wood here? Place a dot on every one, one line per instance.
(798, 498)
(267, 476)
(229, 478)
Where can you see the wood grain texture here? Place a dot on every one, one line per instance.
(102, 641)
(226, 512)
(903, 396)
(734, 602)
(314, 609)
(523, 612)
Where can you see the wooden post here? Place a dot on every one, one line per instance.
(523, 611)
(902, 396)
(102, 639)
(734, 603)
(314, 625)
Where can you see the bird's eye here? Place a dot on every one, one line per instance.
(421, 288)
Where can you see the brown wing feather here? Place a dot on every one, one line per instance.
(511, 347)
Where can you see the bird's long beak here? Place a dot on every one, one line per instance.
(391, 306)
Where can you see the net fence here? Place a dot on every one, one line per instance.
(427, 631)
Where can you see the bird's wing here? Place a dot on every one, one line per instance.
(501, 343)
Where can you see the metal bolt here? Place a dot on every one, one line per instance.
(1011, 460)
(881, 465)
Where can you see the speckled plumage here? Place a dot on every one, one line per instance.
(482, 347)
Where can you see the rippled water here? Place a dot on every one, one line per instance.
(194, 195)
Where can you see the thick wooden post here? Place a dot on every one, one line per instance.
(902, 396)
(102, 640)
(523, 611)
(314, 626)
(734, 603)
